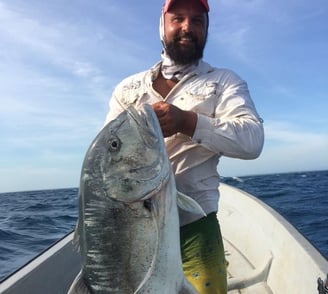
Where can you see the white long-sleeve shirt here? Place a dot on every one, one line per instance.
(228, 125)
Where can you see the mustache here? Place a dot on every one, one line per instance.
(190, 36)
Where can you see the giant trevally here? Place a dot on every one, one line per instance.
(128, 226)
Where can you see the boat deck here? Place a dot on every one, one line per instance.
(265, 253)
(243, 276)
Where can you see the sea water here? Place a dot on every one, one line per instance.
(31, 221)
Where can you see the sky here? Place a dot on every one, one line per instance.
(60, 61)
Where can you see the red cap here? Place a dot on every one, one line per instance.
(168, 4)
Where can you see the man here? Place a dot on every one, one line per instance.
(204, 113)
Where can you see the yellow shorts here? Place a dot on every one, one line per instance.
(203, 257)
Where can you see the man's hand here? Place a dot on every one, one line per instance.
(173, 120)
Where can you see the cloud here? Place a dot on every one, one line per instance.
(249, 31)
(287, 148)
(286, 132)
(19, 30)
(234, 29)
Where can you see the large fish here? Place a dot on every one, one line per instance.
(128, 226)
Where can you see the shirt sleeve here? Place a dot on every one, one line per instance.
(236, 130)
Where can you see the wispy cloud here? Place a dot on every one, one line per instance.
(287, 148)
(290, 148)
(285, 132)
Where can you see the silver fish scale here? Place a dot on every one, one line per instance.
(117, 235)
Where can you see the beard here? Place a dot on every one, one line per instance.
(183, 55)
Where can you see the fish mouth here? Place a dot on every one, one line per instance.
(141, 181)
(148, 123)
(151, 134)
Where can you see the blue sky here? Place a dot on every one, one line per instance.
(60, 60)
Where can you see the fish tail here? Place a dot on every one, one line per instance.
(78, 286)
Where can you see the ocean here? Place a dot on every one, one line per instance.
(31, 221)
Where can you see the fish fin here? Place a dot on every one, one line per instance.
(187, 203)
(78, 286)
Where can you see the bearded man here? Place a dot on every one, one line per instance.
(205, 113)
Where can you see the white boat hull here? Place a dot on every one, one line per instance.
(266, 254)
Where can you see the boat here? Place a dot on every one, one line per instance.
(264, 252)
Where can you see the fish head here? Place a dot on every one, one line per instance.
(128, 158)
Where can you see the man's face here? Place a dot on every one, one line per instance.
(185, 27)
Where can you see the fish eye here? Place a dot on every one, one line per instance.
(114, 144)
